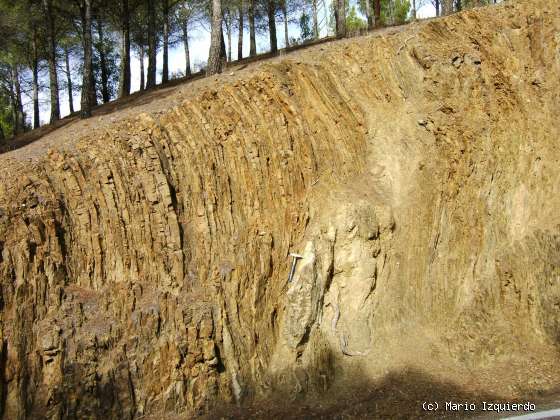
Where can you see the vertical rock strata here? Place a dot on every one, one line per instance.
(145, 269)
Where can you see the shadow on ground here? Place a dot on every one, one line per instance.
(396, 396)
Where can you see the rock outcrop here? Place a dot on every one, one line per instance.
(145, 269)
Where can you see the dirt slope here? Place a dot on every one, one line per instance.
(144, 262)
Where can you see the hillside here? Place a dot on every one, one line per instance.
(144, 254)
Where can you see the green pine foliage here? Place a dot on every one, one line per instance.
(305, 27)
(354, 22)
(112, 60)
(394, 12)
(6, 116)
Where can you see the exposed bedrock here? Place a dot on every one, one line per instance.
(145, 270)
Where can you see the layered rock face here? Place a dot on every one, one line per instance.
(145, 270)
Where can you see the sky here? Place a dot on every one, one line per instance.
(199, 45)
(426, 11)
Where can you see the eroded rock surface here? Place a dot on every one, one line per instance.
(146, 269)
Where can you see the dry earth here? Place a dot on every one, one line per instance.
(144, 254)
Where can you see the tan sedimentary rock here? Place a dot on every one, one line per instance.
(145, 269)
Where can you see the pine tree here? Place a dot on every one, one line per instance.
(139, 40)
(124, 74)
(215, 55)
(252, 31)
(446, 7)
(88, 90)
(271, 14)
(240, 29)
(152, 44)
(340, 18)
(52, 58)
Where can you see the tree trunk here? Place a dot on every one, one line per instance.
(223, 57)
(285, 16)
(414, 9)
(228, 33)
(187, 53)
(165, 74)
(69, 80)
(19, 119)
(142, 82)
(124, 77)
(369, 16)
(87, 77)
(13, 104)
(446, 7)
(340, 18)
(377, 11)
(272, 26)
(103, 63)
(53, 80)
(437, 7)
(240, 32)
(252, 38)
(151, 79)
(93, 89)
(315, 19)
(229, 42)
(335, 13)
(35, 81)
(216, 40)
